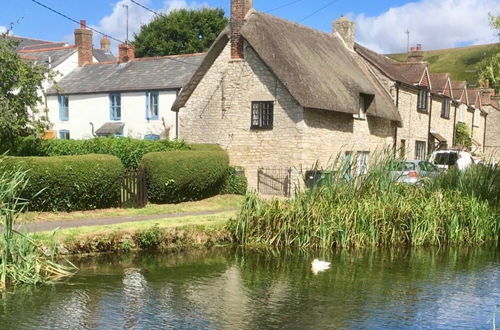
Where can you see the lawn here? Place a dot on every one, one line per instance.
(221, 202)
(459, 62)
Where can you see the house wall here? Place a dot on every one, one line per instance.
(492, 145)
(86, 108)
(415, 123)
(440, 124)
(478, 133)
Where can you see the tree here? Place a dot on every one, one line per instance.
(180, 32)
(489, 68)
(462, 135)
(20, 94)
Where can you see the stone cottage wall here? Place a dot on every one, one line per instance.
(219, 112)
(478, 133)
(492, 145)
(440, 124)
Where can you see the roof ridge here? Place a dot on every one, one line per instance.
(28, 38)
(41, 50)
(153, 58)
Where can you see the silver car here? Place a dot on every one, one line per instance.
(413, 171)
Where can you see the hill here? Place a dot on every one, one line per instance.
(459, 62)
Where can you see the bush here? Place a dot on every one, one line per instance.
(205, 147)
(130, 151)
(235, 182)
(69, 183)
(178, 176)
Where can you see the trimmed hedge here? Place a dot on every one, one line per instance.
(178, 176)
(205, 147)
(70, 183)
(130, 151)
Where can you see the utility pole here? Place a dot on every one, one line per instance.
(126, 7)
(407, 40)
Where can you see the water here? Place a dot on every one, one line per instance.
(235, 289)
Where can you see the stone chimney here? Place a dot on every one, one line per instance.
(125, 53)
(346, 29)
(105, 44)
(83, 42)
(416, 54)
(239, 9)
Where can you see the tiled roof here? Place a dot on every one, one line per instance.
(439, 82)
(458, 89)
(157, 73)
(29, 43)
(103, 56)
(55, 55)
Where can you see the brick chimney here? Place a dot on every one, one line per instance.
(105, 44)
(125, 53)
(416, 54)
(83, 42)
(239, 9)
(346, 29)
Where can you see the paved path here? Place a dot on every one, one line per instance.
(51, 225)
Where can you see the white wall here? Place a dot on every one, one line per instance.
(94, 108)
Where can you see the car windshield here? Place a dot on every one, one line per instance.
(404, 166)
(446, 158)
(427, 166)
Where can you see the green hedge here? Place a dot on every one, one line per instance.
(130, 151)
(205, 147)
(178, 176)
(69, 183)
(235, 182)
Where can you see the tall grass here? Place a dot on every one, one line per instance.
(373, 210)
(21, 259)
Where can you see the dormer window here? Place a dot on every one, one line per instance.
(423, 96)
(445, 108)
(364, 102)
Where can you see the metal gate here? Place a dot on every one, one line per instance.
(274, 181)
(134, 190)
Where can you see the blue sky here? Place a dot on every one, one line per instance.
(380, 23)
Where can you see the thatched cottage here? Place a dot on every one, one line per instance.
(282, 98)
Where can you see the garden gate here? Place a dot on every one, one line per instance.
(274, 181)
(134, 190)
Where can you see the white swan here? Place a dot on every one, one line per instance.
(319, 266)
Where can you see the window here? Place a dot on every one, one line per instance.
(63, 108)
(363, 107)
(115, 106)
(347, 165)
(262, 114)
(420, 150)
(445, 108)
(153, 137)
(362, 162)
(152, 108)
(476, 117)
(64, 134)
(423, 95)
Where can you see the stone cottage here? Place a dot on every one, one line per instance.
(276, 94)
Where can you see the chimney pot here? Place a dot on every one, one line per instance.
(105, 44)
(346, 29)
(83, 24)
(416, 54)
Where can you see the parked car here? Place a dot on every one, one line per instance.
(414, 171)
(443, 159)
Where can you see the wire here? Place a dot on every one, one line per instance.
(317, 11)
(148, 9)
(74, 20)
(283, 6)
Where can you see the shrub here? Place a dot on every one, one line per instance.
(130, 151)
(235, 182)
(69, 183)
(205, 147)
(463, 135)
(177, 176)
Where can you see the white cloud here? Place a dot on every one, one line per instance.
(433, 23)
(3, 29)
(114, 24)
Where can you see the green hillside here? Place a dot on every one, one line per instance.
(459, 62)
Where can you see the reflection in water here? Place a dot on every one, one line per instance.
(228, 288)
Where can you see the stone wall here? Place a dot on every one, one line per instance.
(478, 132)
(441, 125)
(492, 145)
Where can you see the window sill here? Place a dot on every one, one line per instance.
(153, 118)
(359, 118)
(261, 128)
(423, 111)
(445, 117)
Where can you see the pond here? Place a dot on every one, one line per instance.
(231, 288)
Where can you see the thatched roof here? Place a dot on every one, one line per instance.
(316, 67)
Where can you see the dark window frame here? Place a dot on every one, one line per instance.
(445, 108)
(423, 99)
(115, 109)
(420, 150)
(262, 115)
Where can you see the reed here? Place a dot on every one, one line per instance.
(22, 259)
(372, 210)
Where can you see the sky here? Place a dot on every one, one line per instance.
(380, 24)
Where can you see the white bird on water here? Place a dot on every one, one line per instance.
(319, 266)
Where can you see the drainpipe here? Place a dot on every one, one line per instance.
(429, 130)
(177, 119)
(454, 125)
